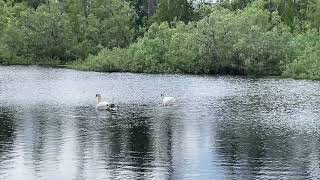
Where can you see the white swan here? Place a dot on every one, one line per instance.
(167, 101)
(103, 105)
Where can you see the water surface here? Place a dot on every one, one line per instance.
(220, 127)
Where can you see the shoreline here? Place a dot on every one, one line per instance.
(65, 66)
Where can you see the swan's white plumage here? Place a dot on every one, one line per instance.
(103, 105)
(166, 101)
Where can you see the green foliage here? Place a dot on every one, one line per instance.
(115, 22)
(162, 50)
(6, 20)
(305, 52)
(42, 35)
(110, 24)
(106, 61)
(314, 15)
(167, 50)
(33, 3)
(244, 42)
(235, 4)
(295, 14)
(63, 31)
(4, 16)
(306, 66)
(169, 10)
(251, 37)
(141, 9)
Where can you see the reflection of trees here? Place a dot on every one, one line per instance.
(139, 142)
(164, 137)
(130, 140)
(40, 129)
(82, 132)
(128, 143)
(121, 140)
(7, 128)
(38, 138)
(250, 144)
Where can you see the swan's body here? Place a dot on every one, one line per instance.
(167, 101)
(103, 105)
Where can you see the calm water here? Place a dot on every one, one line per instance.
(220, 128)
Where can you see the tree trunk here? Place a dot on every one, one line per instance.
(86, 7)
(152, 6)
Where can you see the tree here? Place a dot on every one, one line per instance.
(169, 10)
(4, 18)
(141, 9)
(314, 15)
(292, 12)
(235, 4)
(152, 6)
(33, 3)
(116, 22)
(42, 35)
(4, 15)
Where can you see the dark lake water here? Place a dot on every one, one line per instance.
(220, 127)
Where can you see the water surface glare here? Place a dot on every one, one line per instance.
(220, 127)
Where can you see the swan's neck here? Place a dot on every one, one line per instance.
(98, 100)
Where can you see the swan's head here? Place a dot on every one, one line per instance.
(98, 97)
(162, 95)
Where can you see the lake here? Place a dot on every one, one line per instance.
(221, 127)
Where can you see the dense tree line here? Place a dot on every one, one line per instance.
(247, 37)
(51, 32)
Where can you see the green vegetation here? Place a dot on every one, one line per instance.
(305, 52)
(251, 37)
(61, 32)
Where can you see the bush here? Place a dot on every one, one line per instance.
(106, 61)
(162, 50)
(305, 52)
(226, 42)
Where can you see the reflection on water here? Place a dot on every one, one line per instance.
(7, 127)
(220, 128)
